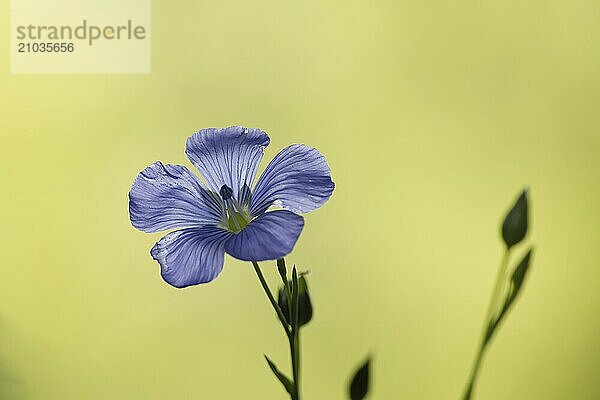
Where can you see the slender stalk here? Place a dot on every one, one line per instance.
(500, 281)
(490, 316)
(295, 343)
(291, 328)
(263, 282)
(297, 349)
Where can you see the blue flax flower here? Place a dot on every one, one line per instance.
(222, 214)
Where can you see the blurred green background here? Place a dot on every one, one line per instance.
(432, 114)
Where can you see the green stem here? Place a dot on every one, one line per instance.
(490, 316)
(295, 333)
(297, 379)
(493, 306)
(293, 349)
(290, 328)
(263, 283)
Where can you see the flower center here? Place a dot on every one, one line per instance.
(226, 192)
(236, 216)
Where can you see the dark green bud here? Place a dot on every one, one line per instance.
(515, 224)
(305, 310)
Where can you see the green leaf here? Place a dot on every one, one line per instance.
(287, 383)
(305, 310)
(516, 284)
(515, 223)
(518, 277)
(359, 386)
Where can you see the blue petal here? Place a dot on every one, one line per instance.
(170, 196)
(228, 156)
(268, 237)
(298, 179)
(191, 256)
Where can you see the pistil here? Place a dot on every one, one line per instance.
(236, 216)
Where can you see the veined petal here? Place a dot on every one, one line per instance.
(191, 256)
(228, 156)
(170, 196)
(298, 179)
(270, 236)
